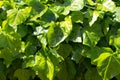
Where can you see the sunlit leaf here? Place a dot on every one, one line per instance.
(57, 33)
(16, 17)
(77, 5)
(108, 65)
(117, 14)
(94, 18)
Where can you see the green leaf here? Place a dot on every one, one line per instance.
(77, 16)
(2, 71)
(90, 38)
(61, 8)
(107, 5)
(67, 6)
(67, 71)
(115, 40)
(48, 16)
(94, 18)
(43, 1)
(6, 27)
(39, 1)
(2, 76)
(16, 17)
(76, 34)
(22, 30)
(89, 75)
(118, 77)
(24, 74)
(7, 56)
(91, 2)
(66, 26)
(91, 35)
(108, 65)
(94, 52)
(65, 50)
(117, 14)
(47, 66)
(1, 3)
(44, 66)
(57, 33)
(41, 33)
(30, 49)
(76, 5)
(9, 50)
(77, 53)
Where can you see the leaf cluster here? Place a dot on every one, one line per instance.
(59, 39)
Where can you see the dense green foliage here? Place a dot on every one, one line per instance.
(59, 39)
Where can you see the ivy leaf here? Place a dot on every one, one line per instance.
(77, 16)
(16, 17)
(91, 35)
(90, 38)
(94, 18)
(65, 50)
(108, 65)
(24, 74)
(115, 40)
(76, 34)
(94, 52)
(67, 71)
(57, 33)
(67, 6)
(8, 48)
(89, 75)
(22, 30)
(47, 66)
(63, 8)
(77, 53)
(107, 5)
(43, 66)
(117, 14)
(76, 5)
(48, 16)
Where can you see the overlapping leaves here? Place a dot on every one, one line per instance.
(59, 39)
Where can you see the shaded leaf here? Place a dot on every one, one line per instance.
(8, 48)
(24, 74)
(67, 71)
(77, 16)
(89, 75)
(65, 50)
(76, 34)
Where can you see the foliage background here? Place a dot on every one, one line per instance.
(59, 39)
